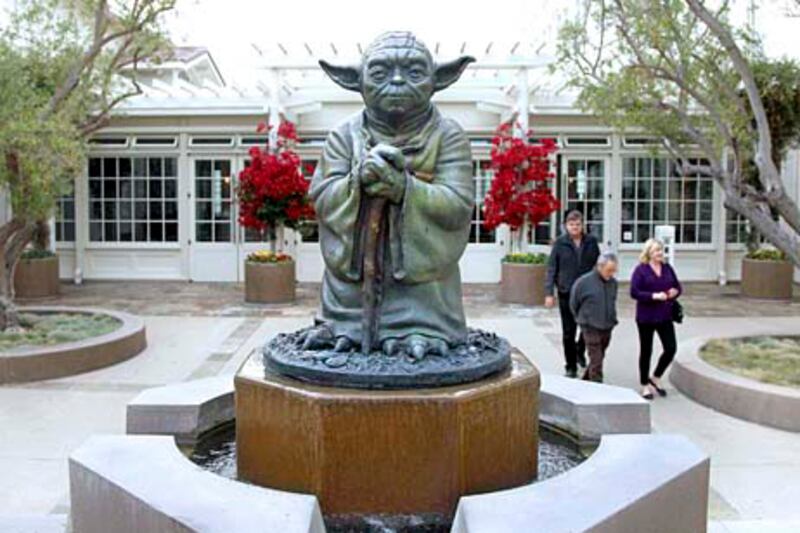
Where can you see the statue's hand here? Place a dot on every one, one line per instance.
(387, 163)
(389, 153)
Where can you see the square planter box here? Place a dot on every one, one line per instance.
(36, 278)
(522, 283)
(269, 282)
(767, 279)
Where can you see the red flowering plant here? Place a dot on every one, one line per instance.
(521, 193)
(272, 191)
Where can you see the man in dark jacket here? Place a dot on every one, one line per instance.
(593, 301)
(573, 254)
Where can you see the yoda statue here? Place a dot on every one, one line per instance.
(394, 197)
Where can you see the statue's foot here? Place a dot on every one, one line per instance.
(318, 338)
(415, 346)
(343, 344)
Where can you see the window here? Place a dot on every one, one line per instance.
(211, 141)
(543, 232)
(584, 187)
(654, 193)
(588, 141)
(257, 140)
(482, 174)
(109, 142)
(312, 141)
(252, 234)
(737, 227)
(639, 141)
(156, 142)
(213, 204)
(65, 218)
(133, 199)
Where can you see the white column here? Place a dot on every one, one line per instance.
(275, 108)
(722, 228)
(522, 106)
(287, 239)
(185, 204)
(81, 222)
(523, 100)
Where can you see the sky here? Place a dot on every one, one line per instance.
(230, 28)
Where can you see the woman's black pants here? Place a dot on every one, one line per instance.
(666, 333)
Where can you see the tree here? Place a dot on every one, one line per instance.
(678, 70)
(273, 193)
(64, 65)
(520, 193)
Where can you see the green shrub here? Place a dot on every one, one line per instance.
(526, 259)
(44, 329)
(769, 359)
(766, 254)
(36, 253)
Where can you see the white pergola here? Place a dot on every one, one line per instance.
(284, 79)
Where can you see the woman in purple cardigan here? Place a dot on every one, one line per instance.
(654, 286)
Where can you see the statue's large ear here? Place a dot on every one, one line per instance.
(346, 77)
(448, 73)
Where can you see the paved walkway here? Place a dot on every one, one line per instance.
(197, 330)
(180, 298)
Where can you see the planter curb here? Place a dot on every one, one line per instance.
(70, 358)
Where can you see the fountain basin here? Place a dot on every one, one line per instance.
(411, 451)
(572, 408)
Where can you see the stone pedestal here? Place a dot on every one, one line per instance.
(396, 452)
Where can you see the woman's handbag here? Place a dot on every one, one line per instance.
(677, 312)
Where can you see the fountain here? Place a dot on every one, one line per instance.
(388, 413)
(388, 403)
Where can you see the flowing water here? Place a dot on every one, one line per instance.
(217, 453)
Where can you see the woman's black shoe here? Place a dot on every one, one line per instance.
(571, 372)
(648, 396)
(661, 392)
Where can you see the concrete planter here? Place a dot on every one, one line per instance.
(26, 363)
(269, 282)
(762, 403)
(522, 283)
(36, 278)
(767, 279)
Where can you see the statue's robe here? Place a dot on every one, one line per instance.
(427, 231)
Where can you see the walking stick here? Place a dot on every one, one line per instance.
(372, 285)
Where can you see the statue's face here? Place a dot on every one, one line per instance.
(397, 81)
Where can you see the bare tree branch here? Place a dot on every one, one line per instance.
(768, 171)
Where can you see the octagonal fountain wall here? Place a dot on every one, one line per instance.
(106, 472)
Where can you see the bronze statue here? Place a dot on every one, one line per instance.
(394, 196)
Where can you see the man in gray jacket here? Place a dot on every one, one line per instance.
(593, 301)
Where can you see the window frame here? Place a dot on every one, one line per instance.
(133, 244)
(624, 246)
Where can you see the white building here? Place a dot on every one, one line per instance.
(157, 201)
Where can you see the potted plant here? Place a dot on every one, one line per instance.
(523, 278)
(767, 273)
(269, 277)
(36, 273)
(521, 197)
(273, 195)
